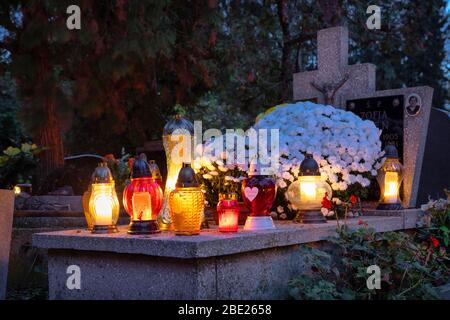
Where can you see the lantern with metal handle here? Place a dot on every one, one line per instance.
(177, 136)
(390, 177)
(187, 203)
(306, 194)
(142, 199)
(103, 201)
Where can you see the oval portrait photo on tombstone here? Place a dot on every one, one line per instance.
(413, 104)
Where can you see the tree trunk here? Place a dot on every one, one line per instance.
(48, 133)
(286, 59)
(48, 136)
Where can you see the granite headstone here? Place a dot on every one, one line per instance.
(339, 84)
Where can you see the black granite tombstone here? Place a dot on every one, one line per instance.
(387, 114)
(435, 174)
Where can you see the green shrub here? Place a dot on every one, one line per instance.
(409, 270)
(17, 165)
(436, 223)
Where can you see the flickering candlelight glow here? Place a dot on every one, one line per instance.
(308, 188)
(389, 178)
(177, 141)
(228, 220)
(228, 213)
(142, 198)
(306, 194)
(17, 190)
(186, 203)
(142, 206)
(391, 187)
(103, 205)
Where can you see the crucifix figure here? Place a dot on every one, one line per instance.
(334, 78)
(329, 89)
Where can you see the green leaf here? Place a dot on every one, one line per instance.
(12, 151)
(444, 229)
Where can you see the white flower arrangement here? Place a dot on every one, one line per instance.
(218, 177)
(347, 148)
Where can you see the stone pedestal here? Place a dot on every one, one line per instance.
(213, 265)
(6, 219)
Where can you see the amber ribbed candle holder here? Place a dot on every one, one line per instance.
(186, 208)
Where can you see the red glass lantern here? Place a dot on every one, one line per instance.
(258, 193)
(228, 213)
(142, 199)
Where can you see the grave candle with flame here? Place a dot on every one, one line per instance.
(258, 193)
(142, 199)
(177, 132)
(186, 203)
(307, 192)
(228, 212)
(103, 201)
(389, 178)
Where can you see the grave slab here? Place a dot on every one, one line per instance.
(213, 265)
(6, 219)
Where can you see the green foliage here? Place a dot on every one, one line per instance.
(216, 179)
(409, 50)
(17, 165)
(116, 81)
(120, 169)
(214, 113)
(436, 223)
(409, 270)
(11, 131)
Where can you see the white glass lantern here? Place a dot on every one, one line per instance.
(306, 194)
(390, 177)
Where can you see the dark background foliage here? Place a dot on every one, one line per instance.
(133, 64)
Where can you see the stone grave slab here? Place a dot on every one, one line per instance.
(6, 219)
(212, 265)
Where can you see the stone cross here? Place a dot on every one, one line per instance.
(334, 77)
(6, 218)
(335, 82)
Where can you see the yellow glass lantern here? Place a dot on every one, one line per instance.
(186, 203)
(390, 178)
(177, 132)
(306, 194)
(87, 214)
(103, 201)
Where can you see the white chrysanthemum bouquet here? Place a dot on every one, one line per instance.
(347, 149)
